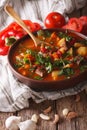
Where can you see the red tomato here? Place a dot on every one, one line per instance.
(66, 26)
(74, 24)
(83, 20)
(54, 20)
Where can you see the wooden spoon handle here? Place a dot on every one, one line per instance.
(10, 11)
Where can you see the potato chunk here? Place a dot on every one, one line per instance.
(82, 51)
(62, 42)
(77, 44)
(55, 74)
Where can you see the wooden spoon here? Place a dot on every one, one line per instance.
(11, 12)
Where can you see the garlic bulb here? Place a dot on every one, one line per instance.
(12, 122)
(27, 125)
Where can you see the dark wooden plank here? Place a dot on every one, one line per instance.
(81, 123)
(79, 107)
(66, 102)
(37, 109)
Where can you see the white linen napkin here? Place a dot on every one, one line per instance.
(14, 95)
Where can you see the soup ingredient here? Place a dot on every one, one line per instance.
(77, 44)
(56, 119)
(12, 122)
(54, 20)
(82, 51)
(44, 117)
(27, 125)
(66, 57)
(55, 74)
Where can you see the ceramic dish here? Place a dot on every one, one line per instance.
(47, 85)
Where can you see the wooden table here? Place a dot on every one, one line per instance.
(79, 123)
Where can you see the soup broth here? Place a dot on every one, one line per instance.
(64, 57)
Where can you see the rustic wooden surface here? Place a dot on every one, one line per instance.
(79, 123)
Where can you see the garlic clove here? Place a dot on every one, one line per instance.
(56, 120)
(44, 117)
(65, 112)
(27, 125)
(35, 118)
(12, 122)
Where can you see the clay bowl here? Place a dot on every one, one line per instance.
(40, 85)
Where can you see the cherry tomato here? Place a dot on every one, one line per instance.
(74, 24)
(54, 20)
